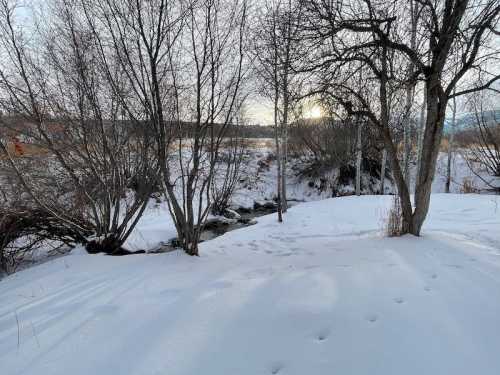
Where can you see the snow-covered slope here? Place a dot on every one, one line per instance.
(322, 293)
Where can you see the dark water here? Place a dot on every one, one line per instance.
(217, 229)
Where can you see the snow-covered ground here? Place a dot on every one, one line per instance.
(322, 293)
(258, 184)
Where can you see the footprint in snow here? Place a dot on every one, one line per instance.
(372, 318)
(399, 300)
(434, 276)
(311, 267)
(427, 288)
(276, 367)
(323, 334)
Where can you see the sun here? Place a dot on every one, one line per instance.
(314, 112)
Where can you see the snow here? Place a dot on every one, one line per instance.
(323, 293)
(258, 184)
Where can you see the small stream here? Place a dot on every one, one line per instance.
(215, 229)
(246, 219)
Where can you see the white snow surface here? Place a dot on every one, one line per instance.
(322, 293)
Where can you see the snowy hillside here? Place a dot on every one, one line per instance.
(323, 293)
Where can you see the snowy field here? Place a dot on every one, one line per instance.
(323, 293)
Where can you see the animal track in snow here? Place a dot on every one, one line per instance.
(372, 318)
(323, 334)
(253, 245)
(311, 267)
(276, 368)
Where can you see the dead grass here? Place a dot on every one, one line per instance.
(394, 220)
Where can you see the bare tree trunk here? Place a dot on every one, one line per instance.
(284, 157)
(278, 148)
(436, 112)
(406, 134)
(402, 187)
(279, 171)
(284, 137)
(359, 157)
(450, 145)
(420, 133)
(382, 171)
(410, 94)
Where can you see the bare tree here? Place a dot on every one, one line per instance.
(481, 145)
(59, 97)
(227, 168)
(185, 63)
(368, 33)
(277, 51)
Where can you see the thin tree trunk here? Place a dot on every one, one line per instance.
(278, 150)
(382, 171)
(284, 137)
(420, 134)
(410, 94)
(284, 157)
(359, 156)
(278, 176)
(450, 145)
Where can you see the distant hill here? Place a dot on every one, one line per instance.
(466, 121)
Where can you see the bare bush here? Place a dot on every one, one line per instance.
(227, 171)
(64, 96)
(468, 186)
(22, 232)
(483, 141)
